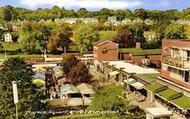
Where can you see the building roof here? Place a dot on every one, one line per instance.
(39, 75)
(85, 88)
(68, 89)
(158, 111)
(131, 68)
(101, 42)
(188, 40)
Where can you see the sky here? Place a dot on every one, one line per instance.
(99, 4)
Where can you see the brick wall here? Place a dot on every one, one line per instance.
(166, 75)
(106, 52)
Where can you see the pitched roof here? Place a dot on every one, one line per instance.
(85, 88)
(100, 42)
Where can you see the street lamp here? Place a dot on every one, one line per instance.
(15, 95)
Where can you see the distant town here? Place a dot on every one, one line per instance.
(64, 64)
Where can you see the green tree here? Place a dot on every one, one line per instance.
(175, 31)
(82, 12)
(15, 69)
(33, 37)
(110, 97)
(84, 36)
(139, 34)
(9, 13)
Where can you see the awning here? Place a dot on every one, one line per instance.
(113, 73)
(130, 80)
(157, 112)
(138, 85)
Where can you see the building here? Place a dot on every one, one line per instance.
(8, 38)
(105, 50)
(150, 36)
(176, 63)
(158, 113)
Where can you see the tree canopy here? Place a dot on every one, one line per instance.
(125, 38)
(84, 35)
(175, 31)
(15, 69)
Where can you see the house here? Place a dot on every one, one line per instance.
(105, 50)
(126, 21)
(175, 67)
(112, 21)
(149, 22)
(137, 20)
(8, 38)
(150, 36)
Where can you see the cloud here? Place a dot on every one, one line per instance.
(94, 4)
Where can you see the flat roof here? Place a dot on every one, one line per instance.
(131, 68)
(148, 78)
(158, 111)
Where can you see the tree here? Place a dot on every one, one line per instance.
(1, 45)
(125, 38)
(110, 97)
(105, 13)
(60, 38)
(15, 69)
(175, 31)
(139, 34)
(79, 74)
(33, 37)
(84, 36)
(82, 12)
(9, 13)
(69, 61)
(141, 13)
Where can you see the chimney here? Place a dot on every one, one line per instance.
(138, 45)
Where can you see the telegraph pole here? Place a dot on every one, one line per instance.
(15, 95)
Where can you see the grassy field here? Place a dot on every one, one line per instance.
(11, 46)
(13, 50)
(140, 51)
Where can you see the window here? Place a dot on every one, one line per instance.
(104, 51)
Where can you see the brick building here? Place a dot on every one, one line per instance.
(105, 50)
(176, 62)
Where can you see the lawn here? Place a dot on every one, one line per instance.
(134, 51)
(11, 46)
(23, 55)
(13, 50)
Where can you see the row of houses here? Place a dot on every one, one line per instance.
(110, 20)
(171, 85)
